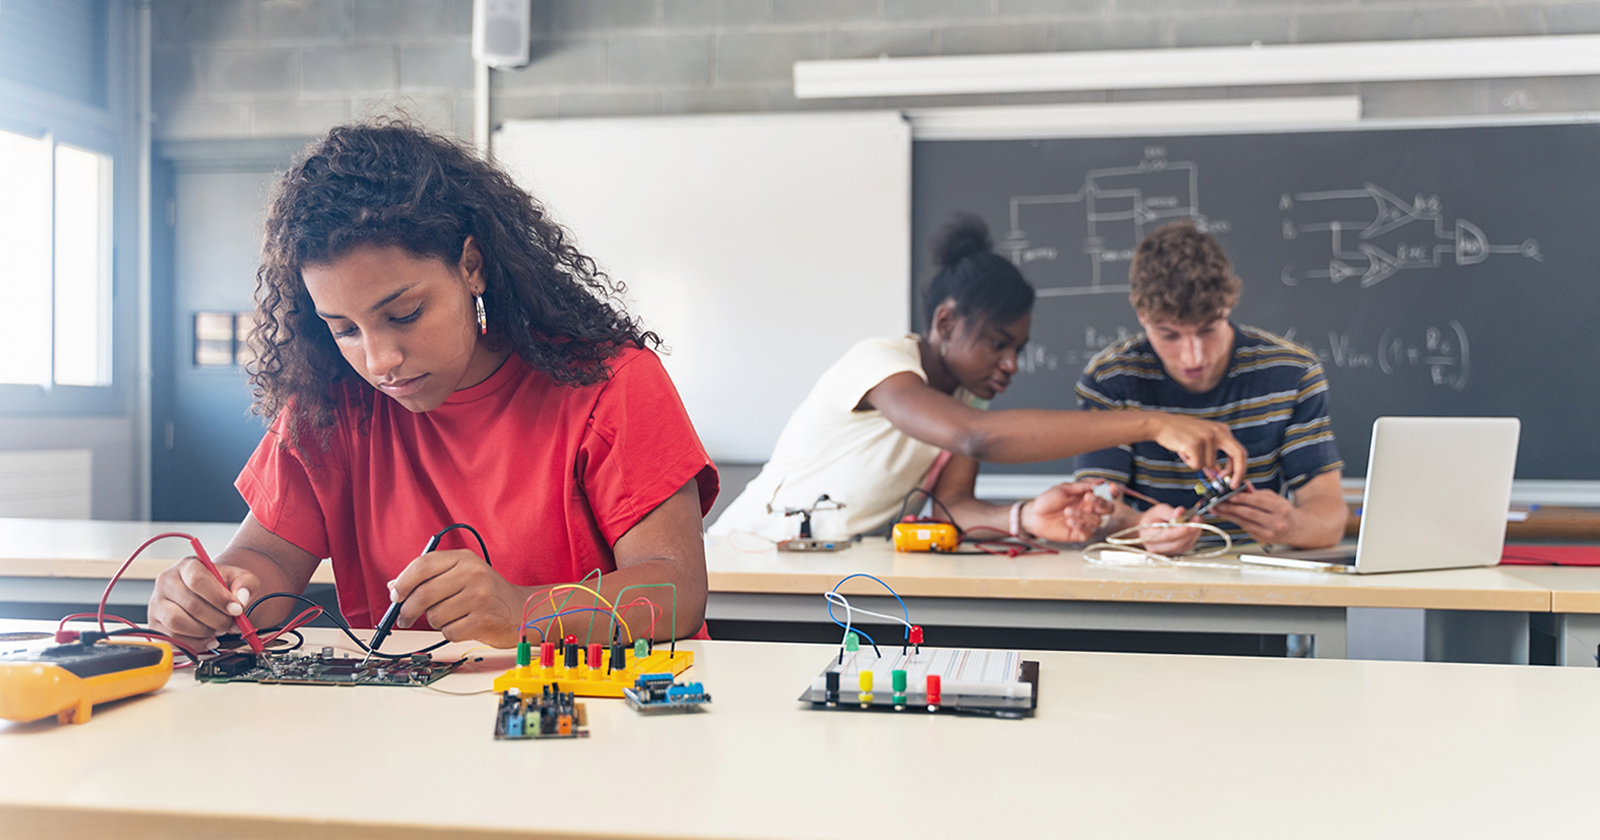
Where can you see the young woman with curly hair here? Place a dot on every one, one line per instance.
(433, 349)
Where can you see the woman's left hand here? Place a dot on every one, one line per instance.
(461, 596)
(1066, 512)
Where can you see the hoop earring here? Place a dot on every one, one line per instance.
(483, 320)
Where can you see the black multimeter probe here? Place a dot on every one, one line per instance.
(391, 615)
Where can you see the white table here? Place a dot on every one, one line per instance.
(750, 581)
(1123, 746)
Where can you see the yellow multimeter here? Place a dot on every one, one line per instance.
(926, 536)
(69, 680)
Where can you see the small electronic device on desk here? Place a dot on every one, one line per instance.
(657, 693)
(547, 714)
(590, 672)
(806, 542)
(69, 680)
(906, 677)
(323, 668)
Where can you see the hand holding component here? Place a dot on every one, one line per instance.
(462, 597)
(1169, 541)
(1198, 441)
(392, 614)
(1266, 516)
(196, 605)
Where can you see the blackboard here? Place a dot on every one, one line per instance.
(1436, 271)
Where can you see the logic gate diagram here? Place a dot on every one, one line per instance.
(1375, 249)
(1104, 220)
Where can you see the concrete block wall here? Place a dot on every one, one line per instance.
(269, 68)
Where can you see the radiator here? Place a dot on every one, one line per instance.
(45, 483)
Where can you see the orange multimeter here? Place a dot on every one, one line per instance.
(926, 535)
(69, 680)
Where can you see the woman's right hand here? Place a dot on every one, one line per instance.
(1168, 541)
(190, 605)
(1197, 442)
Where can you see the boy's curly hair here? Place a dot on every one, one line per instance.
(388, 183)
(1180, 274)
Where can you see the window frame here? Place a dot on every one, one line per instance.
(109, 131)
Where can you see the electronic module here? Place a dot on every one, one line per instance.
(590, 672)
(323, 668)
(989, 682)
(906, 677)
(658, 693)
(547, 714)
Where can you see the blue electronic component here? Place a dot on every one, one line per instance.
(653, 693)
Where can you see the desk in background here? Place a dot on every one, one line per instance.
(68, 561)
(1132, 746)
(752, 583)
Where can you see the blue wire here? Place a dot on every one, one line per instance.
(574, 611)
(903, 610)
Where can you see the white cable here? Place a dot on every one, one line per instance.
(1121, 541)
(843, 602)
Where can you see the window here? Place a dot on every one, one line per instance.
(55, 230)
(68, 127)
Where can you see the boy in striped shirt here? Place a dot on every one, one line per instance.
(1191, 359)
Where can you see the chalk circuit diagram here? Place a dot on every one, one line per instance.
(1104, 220)
(1375, 249)
(1436, 355)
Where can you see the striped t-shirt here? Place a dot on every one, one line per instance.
(1274, 397)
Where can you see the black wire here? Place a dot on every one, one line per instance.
(906, 499)
(176, 645)
(341, 624)
(448, 528)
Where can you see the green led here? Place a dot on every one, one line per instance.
(641, 648)
(524, 653)
(852, 641)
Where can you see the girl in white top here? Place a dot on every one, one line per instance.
(877, 421)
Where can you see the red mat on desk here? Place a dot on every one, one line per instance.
(1551, 555)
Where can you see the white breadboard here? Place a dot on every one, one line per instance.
(987, 681)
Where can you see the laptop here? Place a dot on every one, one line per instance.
(1437, 493)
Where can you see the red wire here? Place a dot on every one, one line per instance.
(986, 544)
(654, 609)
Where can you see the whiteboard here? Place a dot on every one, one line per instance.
(760, 247)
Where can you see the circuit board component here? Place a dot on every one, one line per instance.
(548, 714)
(323, 668)
(658, 693)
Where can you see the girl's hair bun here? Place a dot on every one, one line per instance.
(961, 237)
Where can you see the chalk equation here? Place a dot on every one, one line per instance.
(1104, 221)
(1376, 248)
(1439, 354)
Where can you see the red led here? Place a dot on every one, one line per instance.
(916, 634)
(571, 640)
(594, 655)
(933, 690)
(547, 655)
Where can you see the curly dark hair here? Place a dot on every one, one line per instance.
(386, 182)
(1180, 273)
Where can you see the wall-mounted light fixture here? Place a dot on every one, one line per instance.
(1366, 61)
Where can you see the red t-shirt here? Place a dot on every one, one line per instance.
(550, 474)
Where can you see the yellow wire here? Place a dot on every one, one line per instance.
(598, 596)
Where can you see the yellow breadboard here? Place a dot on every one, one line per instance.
(593, 682)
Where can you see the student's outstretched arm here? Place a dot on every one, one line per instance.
(1064, 513)
(465, 599)
(1022, 435)
(190, 605)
